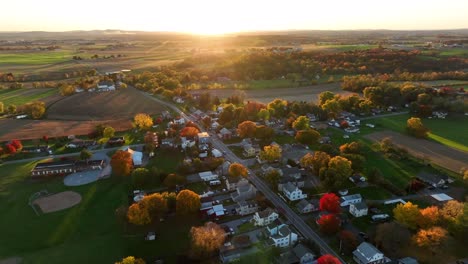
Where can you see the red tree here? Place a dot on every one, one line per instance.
(330, 202)
(17, 144)
(10, 149)
(328, 259)
(189, 132)
(329, 224)
(46, 139)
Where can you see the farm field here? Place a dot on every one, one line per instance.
(439, 154)
(309, 93)
(122, 104)
(23, 96)
(35, 58)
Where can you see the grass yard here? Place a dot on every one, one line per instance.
(27, 58)
(372, 193)
(284, 139)
(23, 96)
(166, 160)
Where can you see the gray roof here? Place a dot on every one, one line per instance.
(292, 170)
(408, 260)
(302, 204)
(360, 206)
(290, 187)
(266, 212)
(225, 131)
(351, 197)
(300, 250)
(365, 252)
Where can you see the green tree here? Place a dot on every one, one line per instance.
(407, 214)
(263, 114)
(315, 161)
(264, 133)
(336, 175)
(131, 260)
(301, 123)
(140, 177)
(11, 109)
(307, 137)
(273, 178)
(416, 128)
(108, 132)
(270, 153)
(278, 107)
(2, 108)
(325, 96)
(392, 238)
(85, 154)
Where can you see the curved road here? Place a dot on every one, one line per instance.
(297, 221)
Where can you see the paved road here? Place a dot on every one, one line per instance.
(291, 216)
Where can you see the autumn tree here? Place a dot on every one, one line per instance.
(271, 153)
(171, 200)
(143, 121)
(407, 214)
(17, 144)
(392, 238)
(263, 114)
(11, 109)
(131, 260)
(137, 214)
(108, 132)
(187, 202)
(307, 137)
(66, 90)
(428, 217)
(451, 210)
(351, 148)
(140, 177)
(10, 149)
(206, 240)
(237, 169)
(172, 180)
(121, 163)
(278, 107)
(35, 109)
(315, 161)
(155, 203)
(189, 131)
(349, 241)
(85, 154)
(430, 238)
(273, 177)
(415, 127)
(328, 259)
(325, 96)
(151, 141)
(331, 203)
(246, 129)
(264, 133)
(329, 224)
(2, 108)
(337, 173)
(301, 123)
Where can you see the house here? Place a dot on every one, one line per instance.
(208, 176)
(168, 142)
(284, 180)
(106, 86)
(186, 143)
(239, 246)
(198, 114)
(304, 254)
(179, 121)
(216, 153)
(59, 168)
(292, 172)
(116, 141)
(350, 199)
(203, 138)
(137, 156)
(368, 254)
(358, 209)
(265, 217)
(215, 125)
(178, 99)
(233, 182)
(280, 235)
(225, 133)
(266, 168)
(216, 211)
(432, 179)
(246, 207)
(292, 192)
(249, 151)
(304, 206)
(246, 141)
(409, 260)
(244, 191)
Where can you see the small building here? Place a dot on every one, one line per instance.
(168, 142)
(265, 217)
(208, 176)
(358, 209)
(203, 138)
(137, 156)
(179, 121)
(292, 192)
(304, 254)
(216, 211)
(409, 260)
(280, 235)
(285, 180)
(368, 254)
(246, 207)
(225, 133)
(293, 172)
(216, 153)
(116, 141)
(432, 179)
(233, 182)
(215, 125)
(106, 86)
(350, 199)
(62, 168)
(244, 191)
(249, 151)
(304, 206)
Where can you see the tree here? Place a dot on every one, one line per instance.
(430, 238)
(171, 199)
(451, 210)
(329, 224)
(415, 127)
(142, 121)
(36, 109)
(317, 161)
(172, 180)
(2, 108)
(325, 96)
(392, 238)
(349, 241)
(307, 137)
(123, 86)
(328, 259)
(206, 240)
(85, 154)
(17, 144)
(140, 177)
(237, 169)
(264, 133)
(337, 173)
(246, 129)
(277, 107)
(131, 260)
(10, 149)
(428, 217)
(330, 202)
(407, 214)
(187, 202)
(263, 114)
(301, 123)
(273, 177)
(351, 148)
(357, 161)
(138, 215)
(190, 132)
(121, 163)
(66, 90)
(271, 153)
(108, 132)
(155, 203)
(11, 109)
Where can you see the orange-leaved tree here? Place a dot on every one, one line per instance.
(139, 215)
(121, 163)
(187, 202)
(237, 169)
(206, 240)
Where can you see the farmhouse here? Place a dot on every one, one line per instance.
(65, 167)
(265, 217)
(208, 176)
(292, 192)
(246, 207)
(280, 235)
(350, 199)
(368, 254)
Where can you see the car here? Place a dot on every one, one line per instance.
(445, 187)
(431, 188)
(363, 235)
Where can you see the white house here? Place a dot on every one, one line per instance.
(179, 121)
(280, 235)
(265, 217)
(216, 153)
(208, 176)
(305, 206)
(246, 207)
(350, 199)
(233, 182)
(292, 192)
(186, 143)
(368, 254)
(244, 191)
(358, 209)
(214, 125)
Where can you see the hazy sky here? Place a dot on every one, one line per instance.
(219, 16)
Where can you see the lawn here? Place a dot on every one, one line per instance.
(38, 58)
(23, 96)
(372, 193)
(284, 139)
(459, 52)
(166, 160)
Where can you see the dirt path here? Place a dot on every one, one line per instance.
(439, 154)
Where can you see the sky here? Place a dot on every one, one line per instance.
(220, 16)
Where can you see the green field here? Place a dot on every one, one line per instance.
(449, 131)
(23, 96)
(46, 57)
(454, 52)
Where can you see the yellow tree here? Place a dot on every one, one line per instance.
(451, 210)
(187, 202)
(429, 217)
(155, 203)
(36, 109)
(407, 214)
(416, 128)
(206, 240)
(139, 215)
(142, 121)
(430, 238)
(316, 161)
(131, 260)
(237, 169)
(301, 123)
(271, 153)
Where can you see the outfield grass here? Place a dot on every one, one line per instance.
(23, 96)
(26, 58)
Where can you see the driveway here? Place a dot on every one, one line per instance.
(235, 223)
